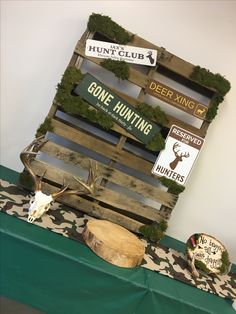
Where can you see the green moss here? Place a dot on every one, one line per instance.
(26, 180)
(207, 78)
(216, 81)
(154, 232)
(119, 68)
(155, 114)
(212, 111)
(106, 26)
(200, 265)
(44, 127)
(225, 263)
(75, 104)
(157, 143)
(173, 187)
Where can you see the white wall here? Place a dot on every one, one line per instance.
(37, 40)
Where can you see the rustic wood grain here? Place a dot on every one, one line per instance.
(111, 174)
(104, 194)
(101, 147)
(113, 243)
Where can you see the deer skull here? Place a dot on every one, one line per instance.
(41, 202)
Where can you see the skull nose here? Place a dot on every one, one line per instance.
(31, 217)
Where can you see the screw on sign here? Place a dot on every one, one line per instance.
(178, 156)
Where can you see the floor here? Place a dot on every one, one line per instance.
(8, 306)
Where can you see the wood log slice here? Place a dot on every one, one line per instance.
(114, 243)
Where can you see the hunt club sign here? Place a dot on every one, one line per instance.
(176, 99)
(130, 54)
(176, 160)
(104, 99)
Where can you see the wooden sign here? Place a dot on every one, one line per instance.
(176, 99)
(102, 98)
(205, 252)
(176, 160)
(130, 54)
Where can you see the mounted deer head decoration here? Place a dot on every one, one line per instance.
(41, 202)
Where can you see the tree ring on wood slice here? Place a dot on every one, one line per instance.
(114, 243)
(207, 255)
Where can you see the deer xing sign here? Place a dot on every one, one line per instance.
(176, 99)
(181, 151)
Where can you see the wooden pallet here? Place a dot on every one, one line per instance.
(128, 194)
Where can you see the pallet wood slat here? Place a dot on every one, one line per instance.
(101, 147)
(95, 210)
(111, 174)
(106, 195)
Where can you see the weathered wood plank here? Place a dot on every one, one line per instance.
(111, 174)
(105, 195)
(94, 209)
(171, 62)
(115, 127)
(101, 147)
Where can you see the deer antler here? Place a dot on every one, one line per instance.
(26, 155)
(186, 154)
(41, 202)
(87, 188)
(176, 145)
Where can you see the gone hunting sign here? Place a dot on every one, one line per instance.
(101, 97)
(176, 160)
(130, 54)
(176, 99)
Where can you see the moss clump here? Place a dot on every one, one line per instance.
(154, 232)
(119, 68)
(153, 113)
(216, 81)
(106, 26)
(207, 78)
(157, 143)
(172, 186)
(75, 104)
(225, 263)
(26, 180)
(200, 265)
(212, 111)
(44, 127)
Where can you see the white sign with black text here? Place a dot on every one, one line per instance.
(130, 54)
(181, 151)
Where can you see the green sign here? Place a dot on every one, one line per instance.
(102, 98)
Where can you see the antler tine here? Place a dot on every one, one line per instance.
(93, 172)
(61, 192)
(87, 188)
(26, 153)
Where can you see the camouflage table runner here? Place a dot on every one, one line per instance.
(70, 223)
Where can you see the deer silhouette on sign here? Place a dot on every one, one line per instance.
(149, 56)
(178, 156)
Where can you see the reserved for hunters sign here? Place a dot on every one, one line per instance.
(176, 160)
(177, 99)
(102, 98)
(130, 54)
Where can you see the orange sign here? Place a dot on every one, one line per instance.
(176, 99)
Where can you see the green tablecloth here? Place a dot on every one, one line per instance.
(58, 275)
